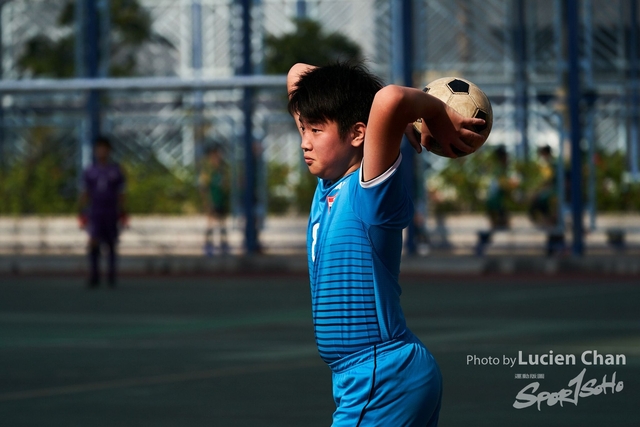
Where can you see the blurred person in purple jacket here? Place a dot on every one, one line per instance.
(102, 209)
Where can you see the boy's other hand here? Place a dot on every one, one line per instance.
(83, 221)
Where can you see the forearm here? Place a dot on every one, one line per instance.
(394, 108)
(401, 105)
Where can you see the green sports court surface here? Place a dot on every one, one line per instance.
(239, 350)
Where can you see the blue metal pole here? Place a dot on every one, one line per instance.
(2, 152)
(196, 35)
(402, 73)
(81, 18)
(521, 82)
(104, 60)
(301, 9)
(85, 151)
(250, 158)
(196, 64)
(589, 95)
(573, 46)
(635, 92)
(560, 184)
(91, 56)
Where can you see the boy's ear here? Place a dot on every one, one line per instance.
(357, 134)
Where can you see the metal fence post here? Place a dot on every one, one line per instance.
(2, 148)
(402, 73)
(92, 49)
(634, 112)
(521, 86)
(573, 47)
(198, 102)
(250, 160)
(301, 9)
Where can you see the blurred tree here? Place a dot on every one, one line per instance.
(44, 56)
(41, 182)
(461, 186)
(152, 190)
(280, 192)
(308, 44)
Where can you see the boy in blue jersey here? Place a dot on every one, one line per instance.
(351, 128)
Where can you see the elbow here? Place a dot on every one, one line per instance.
(395, 100)
(391, 94)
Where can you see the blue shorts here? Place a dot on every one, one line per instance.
(396, 383)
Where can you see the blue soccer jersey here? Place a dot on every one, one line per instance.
(354, 243)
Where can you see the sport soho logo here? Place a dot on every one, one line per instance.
(577, 388)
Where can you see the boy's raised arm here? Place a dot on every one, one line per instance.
(394, 110)
(294, 75)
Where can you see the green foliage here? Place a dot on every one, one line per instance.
(45, 58)
(35, 188)
(42, 182)
(151, 189)
(45, 183)
(279, 188)
(308, 44)
(289, 190)
(614, 191)
(462, 185)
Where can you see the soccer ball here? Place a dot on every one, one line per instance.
(464, 97)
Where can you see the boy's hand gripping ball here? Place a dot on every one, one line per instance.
(466, 99)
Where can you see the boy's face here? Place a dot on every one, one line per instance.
(214, 158)
(327, 155)
(102, 152)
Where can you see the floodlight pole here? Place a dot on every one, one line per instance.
(250, 158)
(573, 46)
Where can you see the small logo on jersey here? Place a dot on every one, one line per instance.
(330, 200)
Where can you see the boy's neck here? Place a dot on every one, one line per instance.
(349, 171)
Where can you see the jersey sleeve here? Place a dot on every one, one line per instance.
(384, 200)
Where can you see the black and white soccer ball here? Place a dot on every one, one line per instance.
(465, 98)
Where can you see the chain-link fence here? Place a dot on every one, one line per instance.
(168, 129)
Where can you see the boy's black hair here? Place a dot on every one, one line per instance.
(215, 145)
(342, 92)
(501, 152)
(102, 140)
(545, 149)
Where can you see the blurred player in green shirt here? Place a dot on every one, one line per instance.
(215, 187)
